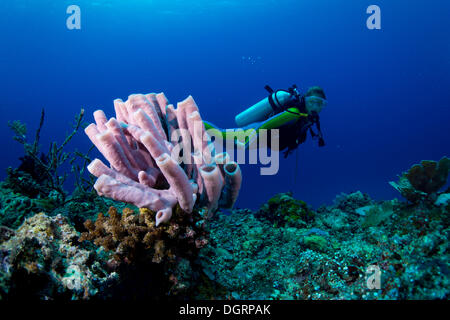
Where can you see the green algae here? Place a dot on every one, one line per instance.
(283, 209)
(316, 243)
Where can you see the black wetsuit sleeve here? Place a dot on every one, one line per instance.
(297, 137)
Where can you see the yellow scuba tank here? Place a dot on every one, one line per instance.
(274, 103)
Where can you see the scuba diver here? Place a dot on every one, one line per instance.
(289, 111)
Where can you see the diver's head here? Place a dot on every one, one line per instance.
(315, 100)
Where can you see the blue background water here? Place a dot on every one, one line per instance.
(388, 89)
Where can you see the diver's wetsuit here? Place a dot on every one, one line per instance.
(292, 135)
(293, 126)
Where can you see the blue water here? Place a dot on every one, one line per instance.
(388, 89)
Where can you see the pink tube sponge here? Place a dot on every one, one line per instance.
(146, 165)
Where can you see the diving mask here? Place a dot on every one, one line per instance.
(314, 103)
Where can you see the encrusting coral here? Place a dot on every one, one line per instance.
(151, 168)
(41, 259)
(324, 258)
(283, 209)
(423, 181)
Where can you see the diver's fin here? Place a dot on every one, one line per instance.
(242, 137)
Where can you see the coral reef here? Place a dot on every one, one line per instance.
(133, 237)
(43, 168)
(37, 184)
(350, 202)
(42, 259)
(284, 250)
(15, 206)
(407, 245)
(423, 181)
(376, 214)
(150, 167)
(283, 209)
(442, 200)
(334, 253)
(135, 243)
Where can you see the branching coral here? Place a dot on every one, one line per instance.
(43, 168)
(133, 237)
(160, 156)
(423, 180)
(38, 183)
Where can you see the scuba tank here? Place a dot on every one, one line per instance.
(276, 102)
